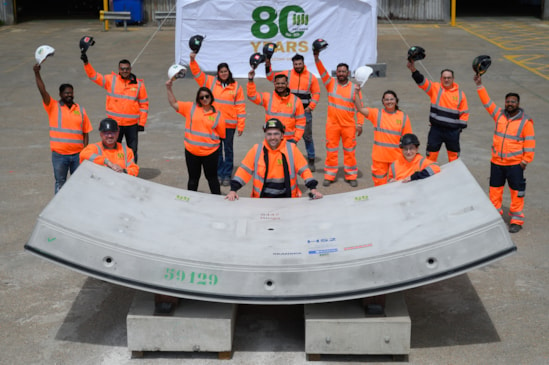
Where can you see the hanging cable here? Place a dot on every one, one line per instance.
(152, 36)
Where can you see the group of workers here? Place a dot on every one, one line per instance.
(219, 112)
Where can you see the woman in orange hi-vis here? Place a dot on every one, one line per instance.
(204, 129)
(229, 99)
(390, 124)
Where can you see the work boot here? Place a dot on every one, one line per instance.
(514, 228)
(353, 183)
(312, 165)
(326, 183)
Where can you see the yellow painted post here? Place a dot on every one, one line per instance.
(453, 13)
(106, 8)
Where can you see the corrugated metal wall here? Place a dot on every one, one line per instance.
(424, 10)
(150, 6)
(6, 12)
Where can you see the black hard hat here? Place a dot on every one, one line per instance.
(195, 42)
(256, 59)
(268, 50)
(108, 125)
(481, 64)
(319, 45)
(409, 138)
(85, 43)
(274, 123)
(416, 53)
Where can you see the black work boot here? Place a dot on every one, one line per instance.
(312, 165)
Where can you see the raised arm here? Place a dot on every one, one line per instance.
(46, 98)
(171, 97)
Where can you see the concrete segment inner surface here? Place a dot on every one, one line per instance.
(50, 315)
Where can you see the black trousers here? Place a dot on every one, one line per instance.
(194, 168)
(130, 132)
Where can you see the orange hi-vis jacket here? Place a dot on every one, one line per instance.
(121, 156)
(419, 168)
(127, 102)
(304, 85)
(388, 128)
(229, 99)
(203, 130)
(67, 127)
(288, 109)
(449, 107)
(253, 167)
(514, 139)
(341, 105)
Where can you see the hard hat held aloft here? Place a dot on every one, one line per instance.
(43, 52)
(409, 138)
(108, 125)
(195, 42)
(85, 43)
(481, 64)
(256, 59)
(274, 123)
(416, 53)
(176, 71)
(319, 45)
(268, 50)
(362, 74)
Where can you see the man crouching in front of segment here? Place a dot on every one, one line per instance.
(411, 165)
(273, 166)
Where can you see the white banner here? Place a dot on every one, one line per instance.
(235, 29)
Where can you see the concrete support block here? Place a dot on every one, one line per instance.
(194, 326)
(345, 328)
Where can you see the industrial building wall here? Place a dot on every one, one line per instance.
(420, 10)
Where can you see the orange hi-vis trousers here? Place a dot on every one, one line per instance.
(335, 132)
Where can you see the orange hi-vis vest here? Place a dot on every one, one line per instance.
(449, 107)
(203, 130)
(288, 109)
(67, 127)
(229, 99)
(121, 156)
(514, 138)
(341, 104)
(304, 85)
(253, 167)
(401, 168)
(127, 102)
(388, 128)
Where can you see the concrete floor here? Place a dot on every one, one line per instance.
(51, 315)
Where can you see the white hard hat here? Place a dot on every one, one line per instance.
(362, 74)
(42, 52)
(176, 71)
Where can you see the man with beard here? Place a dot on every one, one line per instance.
(273, 167)
(513, 148)
(304, 85)
(280, 104)
(69, 128)
(343, 122)
(127, 101)
(109, 152)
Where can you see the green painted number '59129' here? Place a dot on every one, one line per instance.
(196, 278)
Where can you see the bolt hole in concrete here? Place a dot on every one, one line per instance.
(108, 261)
(432, 262)
(269, 284)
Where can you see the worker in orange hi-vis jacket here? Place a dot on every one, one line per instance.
(69, 129)
(127, 101)
(448, 115)
(304, 85)
(513, 148)
(343, 122)
(390, 124)
(273, 166)
(280, 104)
(229, 100)
(411, 165)
(109, 152)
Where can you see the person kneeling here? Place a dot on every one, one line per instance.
(411, 165)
